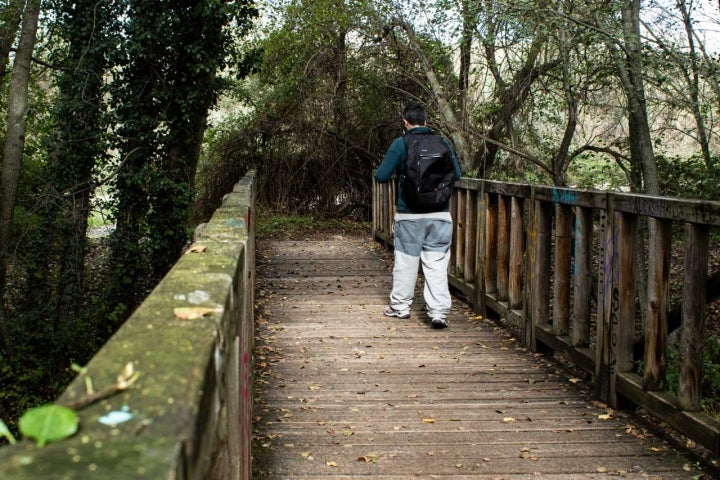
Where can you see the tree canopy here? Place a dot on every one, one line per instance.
(564, 93)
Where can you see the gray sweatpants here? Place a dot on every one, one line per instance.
(422, 238)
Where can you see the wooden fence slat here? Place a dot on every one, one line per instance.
(655, 357)
(562, 281)
(480, 302)
(622, 314)
(459, 239)
(491, 227)
(377, 205)
(606, 281)
(692, 340)
(503, 247)
(517, 251)
(582, 277)
(540, 242)
(468, 198)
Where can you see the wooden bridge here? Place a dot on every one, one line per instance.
(347, 393)
(344, 392)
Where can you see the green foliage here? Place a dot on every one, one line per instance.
(174, 53)
(48, 423)
(596, 172)
(320, 113)
(711, 374)
(689, 177)
(90, 120)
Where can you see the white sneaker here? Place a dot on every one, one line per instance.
(438, 322)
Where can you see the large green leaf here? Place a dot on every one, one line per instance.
(48, 423)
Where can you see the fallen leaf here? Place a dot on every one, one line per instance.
(508, 419)
(193, 313)
(369, 458)
(197, 249)
(331, 464)
(428, 420)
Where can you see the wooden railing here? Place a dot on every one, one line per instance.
(575, 271)
(188, 415)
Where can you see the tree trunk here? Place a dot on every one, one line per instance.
(631, 76)
(15, 142)
(11, 15)
(693, 80)
(470, 20)
(80, 127)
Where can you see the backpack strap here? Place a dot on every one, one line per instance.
(403, 164)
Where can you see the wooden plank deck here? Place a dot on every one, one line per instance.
(343, 392)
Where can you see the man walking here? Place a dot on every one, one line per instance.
(422, 235)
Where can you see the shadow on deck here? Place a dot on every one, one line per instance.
(343, 392)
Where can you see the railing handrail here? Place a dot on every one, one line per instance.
(509, 237)
(188, 415)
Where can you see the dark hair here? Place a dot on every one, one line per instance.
(414, 113)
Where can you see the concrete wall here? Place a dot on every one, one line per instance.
(188, 415)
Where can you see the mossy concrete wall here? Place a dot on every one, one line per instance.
(188, 415)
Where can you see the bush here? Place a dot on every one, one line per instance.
(688, 177)
(711, 374)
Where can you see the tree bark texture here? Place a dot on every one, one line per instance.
(15, 139)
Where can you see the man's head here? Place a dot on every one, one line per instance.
(414, 115)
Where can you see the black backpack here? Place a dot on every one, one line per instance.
(429, 172)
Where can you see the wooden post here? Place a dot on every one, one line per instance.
(692, 340)
(563, 257)
(540, 242)
(459, 240)
(491, 210)
(374, 207)
(606, 281)
(582, 277)
(655, 359)
(470, 235)
(623, 304)
(503, 247)
(517, 250)
(479, 302)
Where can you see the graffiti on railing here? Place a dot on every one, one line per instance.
(611, 272)
(654, 208)
(563, 196)
(614, 307)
